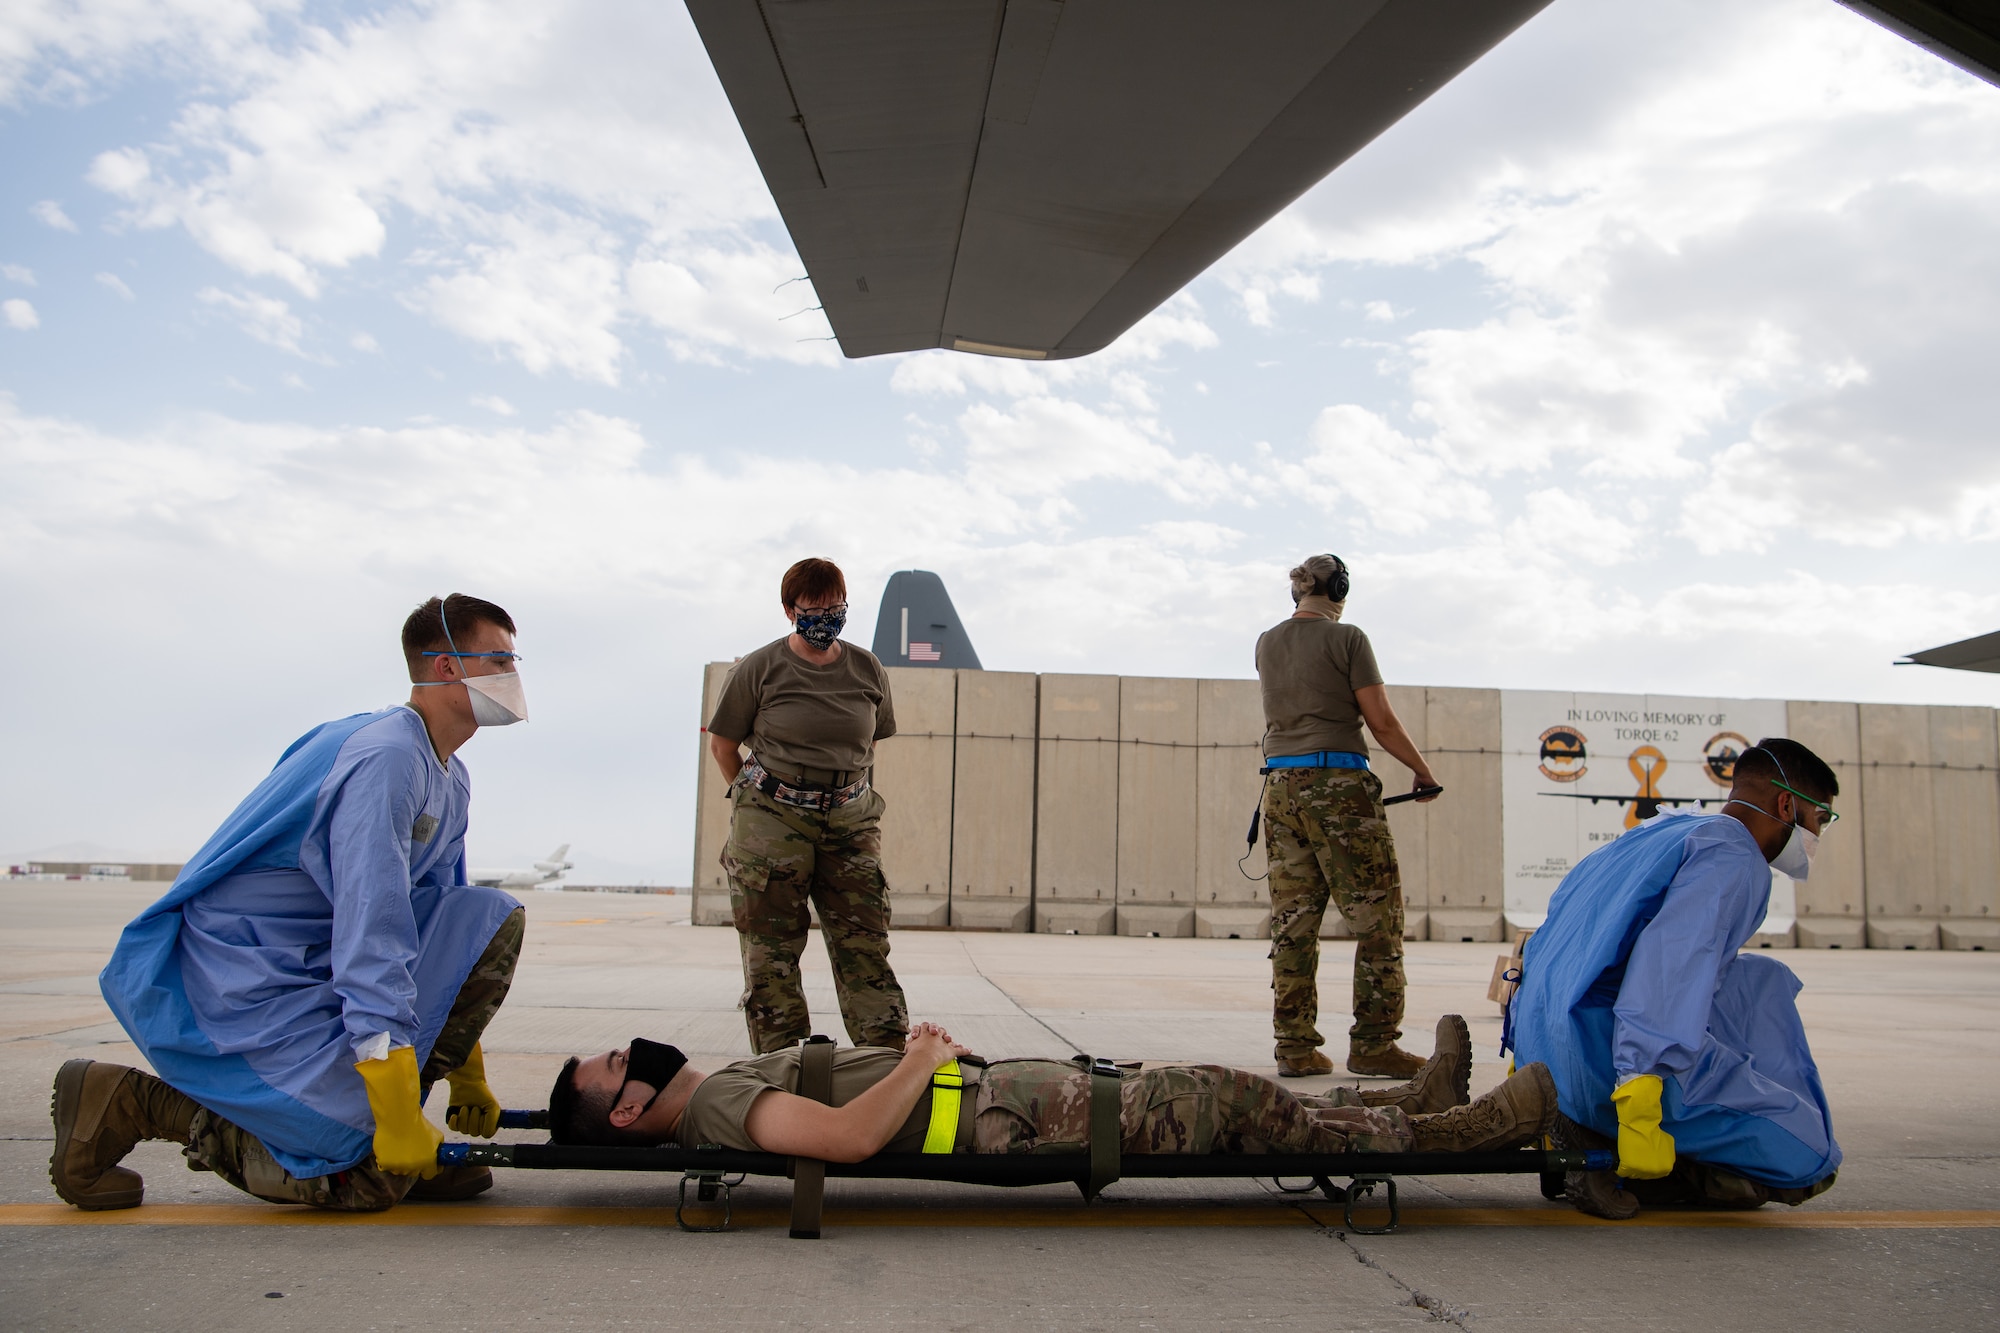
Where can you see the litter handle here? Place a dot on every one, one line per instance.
(1416, 795)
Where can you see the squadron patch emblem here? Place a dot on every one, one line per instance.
(1718, 757)
(1563, 753)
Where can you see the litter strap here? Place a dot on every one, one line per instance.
(1104, 1135)
(947, 1092)
(809, 1173)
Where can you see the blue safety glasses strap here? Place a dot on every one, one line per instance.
(507, 657)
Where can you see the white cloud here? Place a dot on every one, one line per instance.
(265, 318)
(1360, 467)
(68, 50)
(50, 214)
(495, 404)
(565, 170)
(17, 273)
(1743, 265)
(1043, 446)
(362, 342)
(20, 314)
(709, 299)
(549, 297)
(116, 284)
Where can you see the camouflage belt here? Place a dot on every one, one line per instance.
(805, 798)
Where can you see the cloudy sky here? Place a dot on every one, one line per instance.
(1655, 353)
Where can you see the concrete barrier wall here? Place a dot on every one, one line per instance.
(1966, 800)
(1157, 806)
(1231, 900)
(993, 813)
(711, 823)
(1076, 806)
(1832, 908)
(1899, 826)
(1093, 804)
(914, 771)
(1463, 851)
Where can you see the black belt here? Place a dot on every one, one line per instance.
(803, 797)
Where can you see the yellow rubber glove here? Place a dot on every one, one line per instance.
(472, 1107)
(406, 1144)
(1645, 1150)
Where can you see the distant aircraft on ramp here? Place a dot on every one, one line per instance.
(1030, 178)
(543, 875)
(919, 627)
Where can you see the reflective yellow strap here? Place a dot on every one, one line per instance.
(947, 1088)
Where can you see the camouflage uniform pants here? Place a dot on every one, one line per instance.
(1044, 1106)
(1327, 837)
(241, 1158)
(780, 858)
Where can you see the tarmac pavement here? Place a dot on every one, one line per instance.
(1907, 1043)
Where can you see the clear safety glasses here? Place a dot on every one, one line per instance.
(1826, 812)
(505, 659)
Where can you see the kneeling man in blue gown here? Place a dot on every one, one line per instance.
(321, 962)
(1661, 1036)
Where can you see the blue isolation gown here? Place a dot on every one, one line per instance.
(1636, 971)
(331, 908)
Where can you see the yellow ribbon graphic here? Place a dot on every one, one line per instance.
(1647, 764)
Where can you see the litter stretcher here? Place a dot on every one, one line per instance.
(713, 1171)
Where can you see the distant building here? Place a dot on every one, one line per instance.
(156, 871)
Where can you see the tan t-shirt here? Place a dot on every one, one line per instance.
(721, 1103)
(1309, 671)
(802, 719)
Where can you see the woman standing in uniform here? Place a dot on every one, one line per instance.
(1325, 832)
(806, 825)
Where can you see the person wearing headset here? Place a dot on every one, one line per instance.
(1326, 834)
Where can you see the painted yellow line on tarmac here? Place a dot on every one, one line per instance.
(1758, 1220)
(1100, 1215)
(744, 1215)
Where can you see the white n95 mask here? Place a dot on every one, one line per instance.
(497, 700)
(1796, 858)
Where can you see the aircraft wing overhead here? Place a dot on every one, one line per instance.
(1964, 32)
(1976, 654)
(1031, 177)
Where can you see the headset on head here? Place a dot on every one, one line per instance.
(1336, 588)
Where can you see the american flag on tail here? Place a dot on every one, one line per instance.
(924, 652)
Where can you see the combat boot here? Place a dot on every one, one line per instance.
(1395, 1062)
(1304, 1066)
(100, 1112)
(1598, 1193)
(1514, 1113)
(1445, 1080)
(452, 1184)
(1702, 1185)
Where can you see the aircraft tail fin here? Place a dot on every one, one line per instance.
(919, 627)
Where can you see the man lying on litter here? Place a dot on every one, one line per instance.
(648, 1094)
